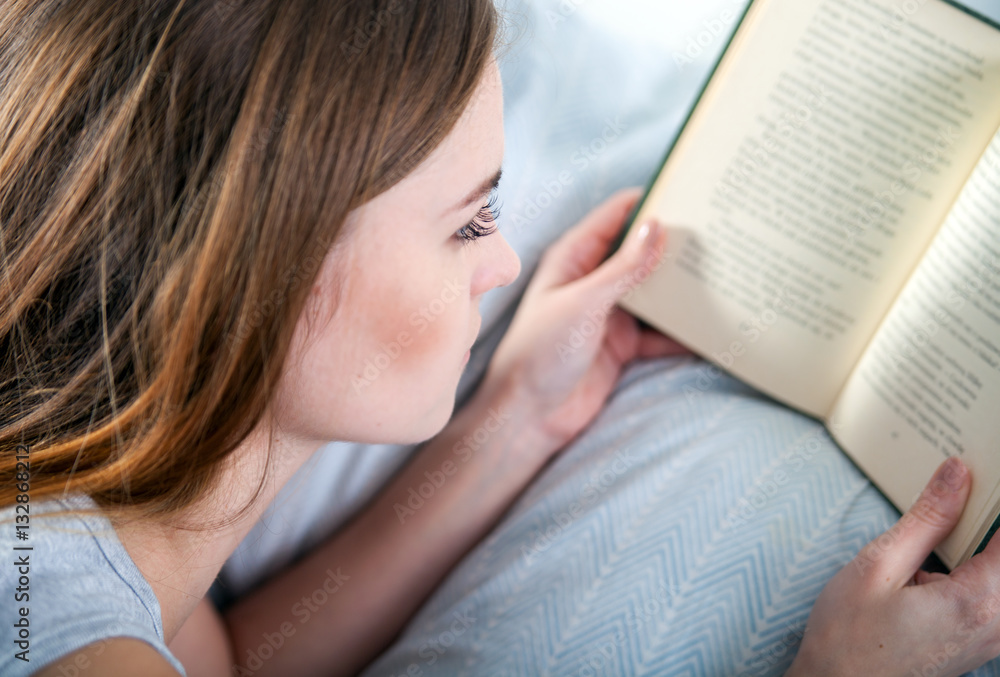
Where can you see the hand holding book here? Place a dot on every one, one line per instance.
(881, 615)
(835, 229)
(834, 203)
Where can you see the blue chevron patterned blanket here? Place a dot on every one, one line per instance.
(687, 532)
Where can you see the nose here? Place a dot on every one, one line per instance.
(500, 266)
(511, 268)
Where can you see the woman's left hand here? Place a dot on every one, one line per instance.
(568, 343)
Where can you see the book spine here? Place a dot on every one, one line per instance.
(630, 221)
(989, 534)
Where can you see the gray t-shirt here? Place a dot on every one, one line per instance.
(77, 584)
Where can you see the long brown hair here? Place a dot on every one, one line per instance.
(172, 173)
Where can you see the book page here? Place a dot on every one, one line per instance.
(822, 159)
(928, 386)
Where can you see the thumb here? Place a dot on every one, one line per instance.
(632, 264)
(924, 525)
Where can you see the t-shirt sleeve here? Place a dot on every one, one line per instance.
(75, 586)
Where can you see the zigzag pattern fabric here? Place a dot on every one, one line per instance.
(688, 531)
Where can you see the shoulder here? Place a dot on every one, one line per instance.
(73, 586)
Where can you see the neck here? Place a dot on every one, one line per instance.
(182, 558)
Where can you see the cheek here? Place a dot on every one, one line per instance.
(401, 329)
(407, 362)
(427, 325)
(385, 356)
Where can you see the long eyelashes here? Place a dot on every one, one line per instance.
(485, 222)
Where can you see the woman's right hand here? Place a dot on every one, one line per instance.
(881, 615)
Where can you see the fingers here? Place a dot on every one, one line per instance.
(622, 336)
(897, 555)
(991, 553)
(583, 247)
(633, 263)
(927, 577)
(629, 342)
(654, 344)
(982, 569)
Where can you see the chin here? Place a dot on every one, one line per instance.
(410, 426)
(411, 412)
(434, 422)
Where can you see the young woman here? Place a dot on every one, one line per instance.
(212, 214)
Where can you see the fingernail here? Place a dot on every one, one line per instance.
(650, 234)
(952, 474)
(643, 235)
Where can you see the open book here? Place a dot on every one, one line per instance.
(834, 212)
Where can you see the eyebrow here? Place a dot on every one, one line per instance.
(480, 191)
